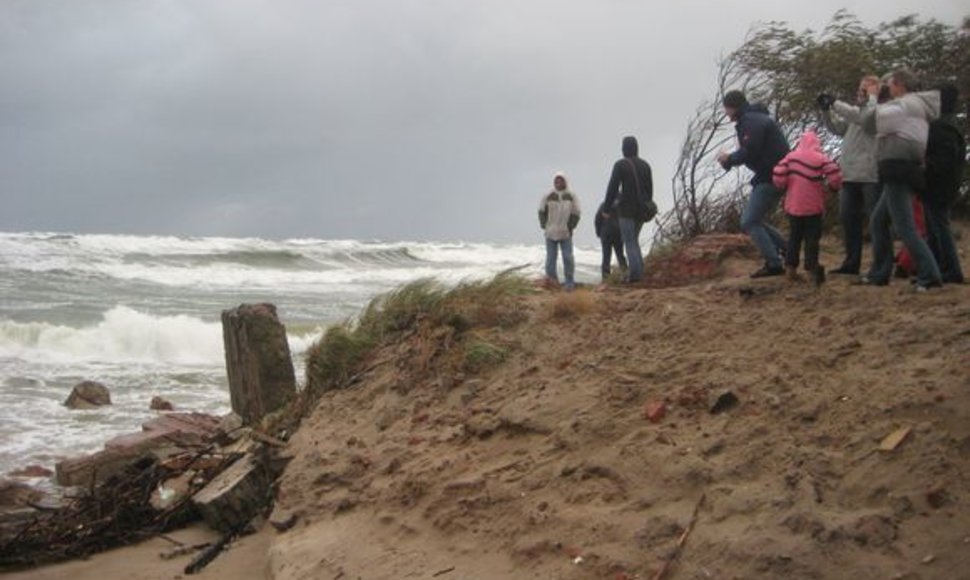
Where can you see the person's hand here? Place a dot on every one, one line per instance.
(605, 215)
(723, 158)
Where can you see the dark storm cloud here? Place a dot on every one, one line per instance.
(373, 119)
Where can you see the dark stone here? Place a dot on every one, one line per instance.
(160, 404)
(258, 362)
(726, 401)
(88, 395)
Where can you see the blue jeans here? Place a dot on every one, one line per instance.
(568, 262)
(941, 240)
(896, 207)
(764, 197)
(856, 202)
(630, 231)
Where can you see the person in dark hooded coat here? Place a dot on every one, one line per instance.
(761, 145)
(630, 188)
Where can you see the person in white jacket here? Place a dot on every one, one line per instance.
(860, 189)
(558, 216)
(901, 127)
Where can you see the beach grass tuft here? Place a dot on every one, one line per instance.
(426, 303)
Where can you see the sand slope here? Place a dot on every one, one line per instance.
(545, 466)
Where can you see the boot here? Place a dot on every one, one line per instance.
(818, 275)
(791, 273)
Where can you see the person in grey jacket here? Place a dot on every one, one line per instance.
(860, 188)
(901, 127)
(558, 216)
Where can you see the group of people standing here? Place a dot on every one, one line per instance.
(903, 156)
(619, 219)
(902, 162)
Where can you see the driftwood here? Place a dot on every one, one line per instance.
(115, 513)
(662, 572)
(232, 498)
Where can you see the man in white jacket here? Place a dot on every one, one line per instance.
(558, 217)
(860, 188)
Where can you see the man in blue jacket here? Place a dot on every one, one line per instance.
(761, 146)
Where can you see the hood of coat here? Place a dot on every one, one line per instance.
(630, 147)
(559, 182)
(926, 103)
(809, 142)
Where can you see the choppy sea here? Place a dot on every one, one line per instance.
(141, 314)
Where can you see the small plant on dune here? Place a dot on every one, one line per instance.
(402, 308)
(573, 305)
(333, 359)
(425, 303)
(482, 355)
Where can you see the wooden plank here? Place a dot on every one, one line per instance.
(895, 439)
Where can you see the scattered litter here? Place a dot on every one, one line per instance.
(895, 439)
(929, 559)
(578, 560)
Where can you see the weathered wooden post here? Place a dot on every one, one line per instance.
(261, 377)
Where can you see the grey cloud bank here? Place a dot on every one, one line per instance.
(350, 119)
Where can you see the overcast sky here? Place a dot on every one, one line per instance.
(417, 120)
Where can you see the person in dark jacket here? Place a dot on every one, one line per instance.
(630, 188)
(761, 145)
(608, 231)
(946, 156)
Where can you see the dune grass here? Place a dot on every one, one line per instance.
(344, 348)
(572, 305)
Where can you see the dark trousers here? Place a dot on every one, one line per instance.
(806, 228)
(856, 202)
(940, 239)
(612, 245)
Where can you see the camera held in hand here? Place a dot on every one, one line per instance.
(825, 101)
(884, 94)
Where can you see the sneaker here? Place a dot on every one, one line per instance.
(844, 271)
(867, 281)
(921, 288)
(768, 271)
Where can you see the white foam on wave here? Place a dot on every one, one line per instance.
(330, 265)
(124, 335)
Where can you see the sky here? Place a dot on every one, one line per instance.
(366, 119)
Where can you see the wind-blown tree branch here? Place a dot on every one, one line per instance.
(786, 70)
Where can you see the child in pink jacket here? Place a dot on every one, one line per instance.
(806, 174)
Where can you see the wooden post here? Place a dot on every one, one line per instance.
(261, 377)
(235, 496)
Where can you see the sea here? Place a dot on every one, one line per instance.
(141, 314)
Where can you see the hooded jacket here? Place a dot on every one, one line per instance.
(761, 143)
(559, 213)
(902, 126)
(622, 193)
(946, 157)
(606, 229)
(805, 174)
(858, 159)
